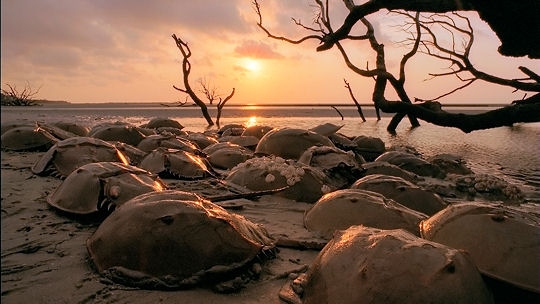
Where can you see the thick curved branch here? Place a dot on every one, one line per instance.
(358, 12)
(522, 112)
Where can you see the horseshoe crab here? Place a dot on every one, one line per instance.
(266, 173)
(201, 140)
(173, 239)
(249, 142)
(69, 154)
(450, 163)
(151, 142)
(27, 138)
(226, 155)
(101, 187)
(161, 122)
(257, 130)
(72, 127)
(369, 147)
(343, 208)
(342, 168)
(386, 168)
(412, 163)
(177, 164)
(125, 133)
(503, 242)
(402, 191)
(290, 143)
(368, 265)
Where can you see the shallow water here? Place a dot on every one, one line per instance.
(509, 152)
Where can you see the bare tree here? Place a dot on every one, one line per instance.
(13, 97)
(358, 107)
(208, 90)
(424, 41)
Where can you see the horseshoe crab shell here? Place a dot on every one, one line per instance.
(69, 154)
(72, 127)
(177, 164)
(342, 168)
(257, 130)
(412, 163)
(161, 122)
(151, 142)
(290, 143)
(347, 207)
(168, 240)
(503, 242)
(226, 155)
(403, 192)
(102, 186)
(27, 138)
(125, 133)
(367, 265)
(266, 173)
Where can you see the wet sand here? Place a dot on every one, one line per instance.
(44, 256)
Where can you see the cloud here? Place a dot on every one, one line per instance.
(256, 49)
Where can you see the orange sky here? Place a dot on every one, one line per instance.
(122, 51)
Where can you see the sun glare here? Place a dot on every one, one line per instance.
(252, 121)
(252, 65)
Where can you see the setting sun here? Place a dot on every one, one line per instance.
(252, 65)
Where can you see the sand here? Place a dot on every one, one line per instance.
(44, 256)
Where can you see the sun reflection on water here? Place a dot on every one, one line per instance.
(252, 121)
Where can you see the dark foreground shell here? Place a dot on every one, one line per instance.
(27, 138)
(503, 242)
(341, 209)
(101, 187)
(174, 239)
(367, 265)
(67, 155)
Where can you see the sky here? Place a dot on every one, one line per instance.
(85, 51)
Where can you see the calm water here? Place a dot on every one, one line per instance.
(509, 152)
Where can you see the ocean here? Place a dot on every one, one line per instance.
(512, 153)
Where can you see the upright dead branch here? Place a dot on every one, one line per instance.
(186, 69)
(358, 107)
(209, 91)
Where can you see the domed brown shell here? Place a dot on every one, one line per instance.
(174, 239)
(402, 191)
(67, 155)
(27, 138)
(102, 186)
(268, 173)
(290, 143)
(504, 242)
(341, 209)
(368, 265)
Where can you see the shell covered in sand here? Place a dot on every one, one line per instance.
(174, 239)
(267, 173)
(367, 265)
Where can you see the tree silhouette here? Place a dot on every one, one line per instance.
(423, 30)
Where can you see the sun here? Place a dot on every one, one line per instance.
(252, 65)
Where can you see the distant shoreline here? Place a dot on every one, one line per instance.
(56, 104)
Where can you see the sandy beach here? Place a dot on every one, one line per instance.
(45, 257)
(45, 260)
